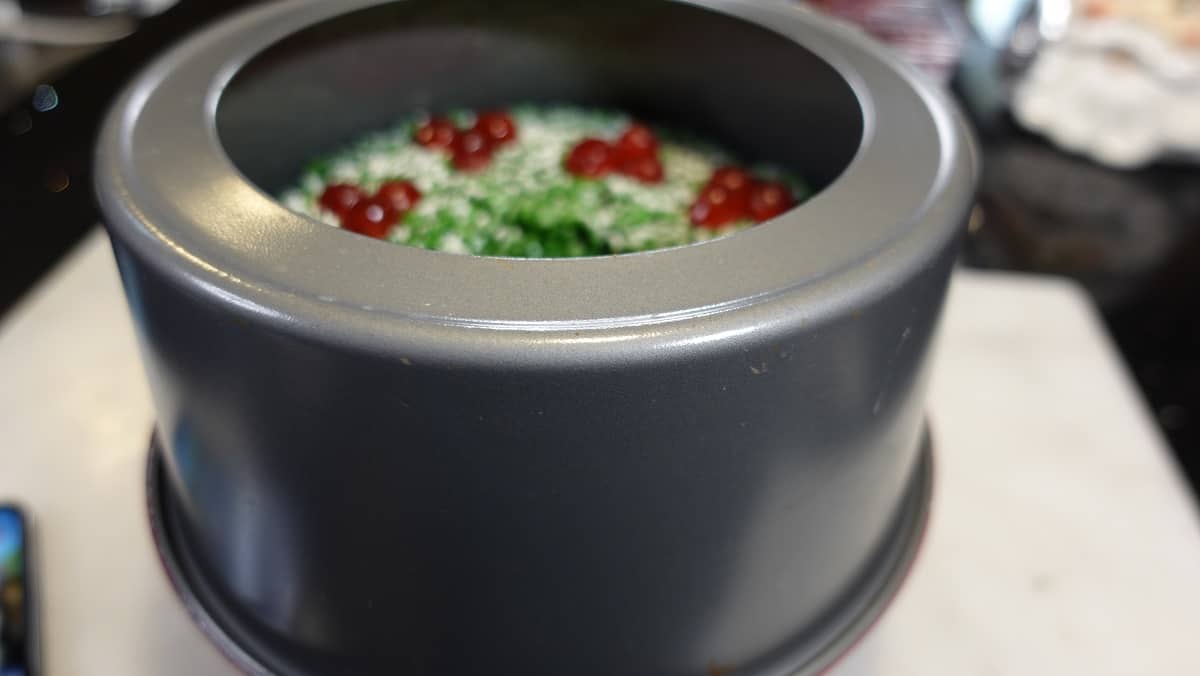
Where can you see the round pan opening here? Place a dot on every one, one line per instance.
(749, 89)
(285, 82)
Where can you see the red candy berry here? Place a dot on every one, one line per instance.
(769, 199)
(636, 142)
(436, 133)
(472, 150)
(733, 179)
(401, 195)
(497, 126)
(371, 217)
(340, 197)
(716, 207)
(645, 169)
(590, 158)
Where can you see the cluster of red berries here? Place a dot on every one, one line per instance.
(732, 194)
(634, 154)
(370, 215)
(470, 149)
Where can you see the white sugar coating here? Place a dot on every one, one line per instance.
(347, 170)
(295, 200)
(452, 243)
(312, 184)
(328, 217)
(524, 202)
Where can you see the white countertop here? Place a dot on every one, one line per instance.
(1062, 541)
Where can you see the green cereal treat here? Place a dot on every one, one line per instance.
(538, 182)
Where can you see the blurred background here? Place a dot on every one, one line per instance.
(1087, 111)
